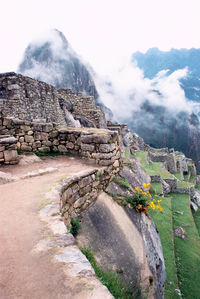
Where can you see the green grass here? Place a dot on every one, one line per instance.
(178, 176)
(122, 182)
(187, 251)
(51, 154)
(110, 279)
(127, 152)
(153, 168)
(163, 221)
(196, 216)
(183, 184)
(157, 186)
(197, 187)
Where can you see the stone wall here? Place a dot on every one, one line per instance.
(84, 106)
(98, 146)
(8, 150)
(81, 191)
(29, 99)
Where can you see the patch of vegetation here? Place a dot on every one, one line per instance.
(110, 279)
(122, 182)
(186, 250)
(153, 168)
(183, 184)
(163, 221)
(157, 187)
(51, 154)
(127, 152)
(196, 216)
(75, 226)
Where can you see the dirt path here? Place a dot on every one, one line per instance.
(22, 273)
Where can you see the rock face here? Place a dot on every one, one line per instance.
(54, 61)
(125, 241)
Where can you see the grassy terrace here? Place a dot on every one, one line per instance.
(153, 168)
(163, 221)
(157, 186)
(186, 251)
(196, 216)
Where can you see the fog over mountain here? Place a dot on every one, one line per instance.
(51, 59)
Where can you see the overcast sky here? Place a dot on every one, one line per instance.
(103, 32)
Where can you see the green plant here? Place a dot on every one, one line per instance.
(110, 279)
(142, 199)
(75, 226)
(122, 182)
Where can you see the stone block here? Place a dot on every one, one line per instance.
(62, 148)
(44, 149)
(1, 155)
(30, 133)
(25, 147)
(29, 139)
(85, 190)
(70, 145)
(2, 148)
(105, 162)
(21, 139)
(106, 148)
(10, 155)
(79, 202)
(25, 128)
(102, 156)
(85, 181)
(87, 147)
(47, 128)
(66, 195)
(55, 142)
(103, 138)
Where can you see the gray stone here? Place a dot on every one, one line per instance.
(193, 206)
(195, 197)
(8, 140)
(87, 147)
(179, 232)
(103, 138)
(62, 148)
(10, 155)
(106, 148)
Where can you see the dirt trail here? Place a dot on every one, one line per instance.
(23, 274)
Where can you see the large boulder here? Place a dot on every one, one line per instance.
(127, 242)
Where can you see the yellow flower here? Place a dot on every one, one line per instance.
(148, 185)
(159, 207)
(137, 189)
(160, 200)
(144, 185)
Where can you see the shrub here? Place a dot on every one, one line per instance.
(75, 226)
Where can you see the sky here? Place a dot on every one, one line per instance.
(103, 32)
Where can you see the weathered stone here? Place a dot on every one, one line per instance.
(25, 147)
(179, 232)
(69, 145)
(87, 147)
(104, 138)
(55, 142)
(2, 148)
(195, 197)
(85, 181)
(85, 190)
(44, 149)
(25, 128)
(105, 162)
(30, 133)
(62, 148)
(29, 139)
(10, 155)
(102, 156)
(79, 202)
(106, 148)
(8, 140)
(193, 206)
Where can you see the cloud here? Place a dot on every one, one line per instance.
(126, 90)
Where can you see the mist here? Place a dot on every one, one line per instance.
(126, 90)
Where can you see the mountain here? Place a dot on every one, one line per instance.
(52, 60)
(154, 61)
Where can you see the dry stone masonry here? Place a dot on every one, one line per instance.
(97, 146)
(29, 99)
